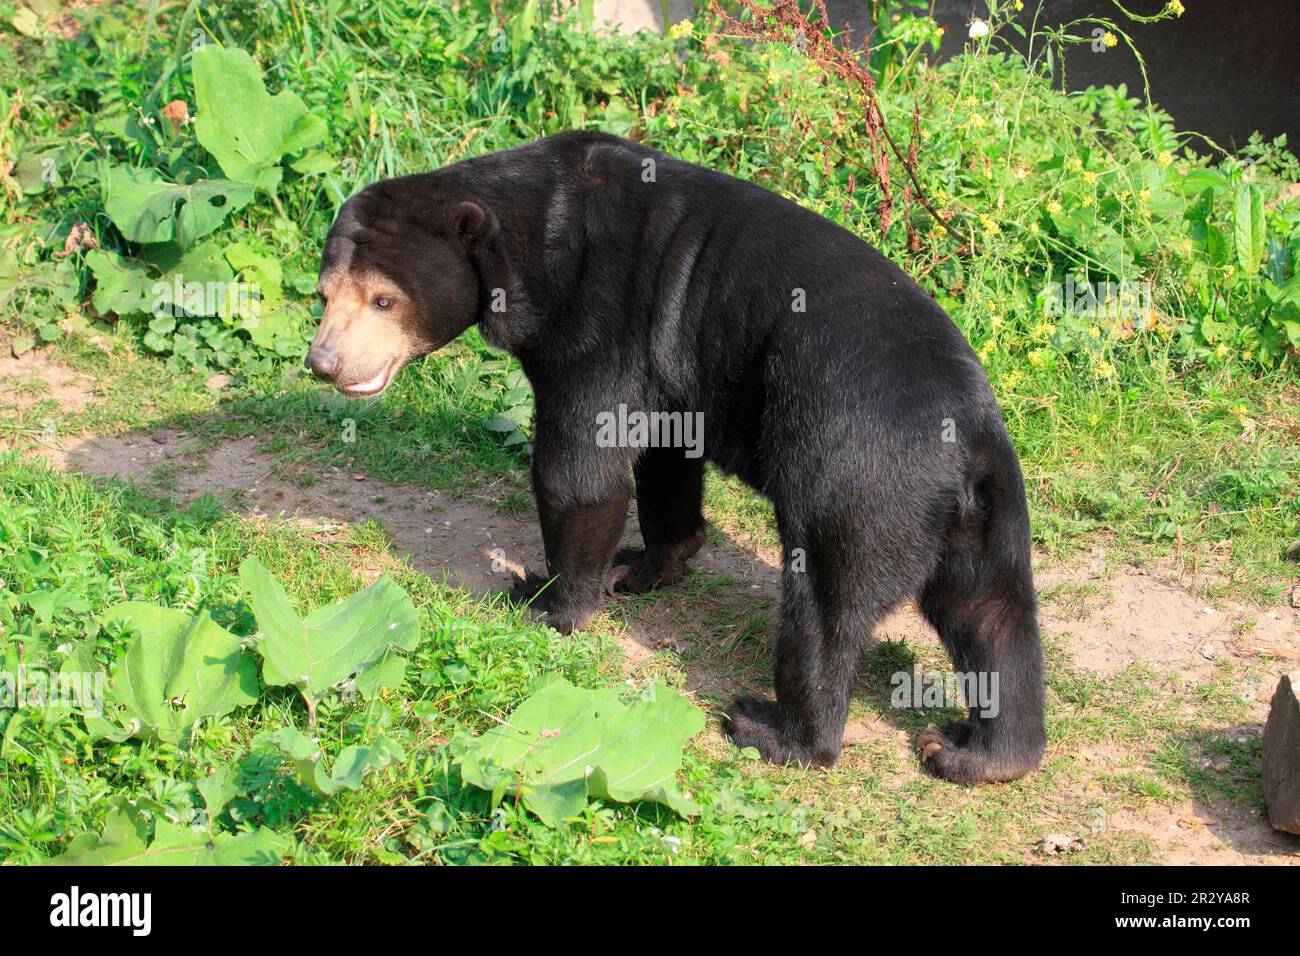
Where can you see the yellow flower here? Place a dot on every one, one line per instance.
(1087, 201)
(1174, 7)
(1037, 356)
(1054, 207)
(977, 120)
(1110, 39)
(1094, 332)
(1103, 370)
(1240, 411)
(996, 321)
(681, 29)
(1090, 177)
(1033, 227)
(991, 228)
(1247, 355)
(1145, 195)
(1073, 164)
(1044, 330)
(1165, 158)
(1020, 4)
(1221, 351)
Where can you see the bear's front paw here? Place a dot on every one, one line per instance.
(528, 588)
(753, 722)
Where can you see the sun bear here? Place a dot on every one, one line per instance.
(629, 282)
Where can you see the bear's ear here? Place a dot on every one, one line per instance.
(472, 223)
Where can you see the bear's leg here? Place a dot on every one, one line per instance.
(983, 609)
(582, 505)
(820, 640)
(669, 490)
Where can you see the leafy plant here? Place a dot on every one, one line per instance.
(350, 767)
(179, 670)
(125, 841)
(565, 744)
(335, 642)
(247, 130)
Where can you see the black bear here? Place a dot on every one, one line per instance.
(624, 279)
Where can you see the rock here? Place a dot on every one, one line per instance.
(1055, 843)
(217, 382)
(1282, 756)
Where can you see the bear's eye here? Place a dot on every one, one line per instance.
(383, 302)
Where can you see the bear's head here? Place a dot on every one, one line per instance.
(399, 278)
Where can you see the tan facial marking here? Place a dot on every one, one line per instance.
(365, 322)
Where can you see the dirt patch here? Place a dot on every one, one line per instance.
(1107, 619)
(35, 377)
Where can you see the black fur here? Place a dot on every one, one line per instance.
(675, 293)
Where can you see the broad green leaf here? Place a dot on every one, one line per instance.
(120, 288)
(179, 670)
(350, 767)
(146, 208)
(565, 744)
(218, 789)
(333, 642)
(1248, 228)
(246, 129)
(521, 29)
(619, 117)
(124, 842)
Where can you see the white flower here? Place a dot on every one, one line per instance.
(978, 28)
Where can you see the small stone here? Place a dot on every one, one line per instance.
(358, 477)
(217, 382)
(1055, 843)
(1209, 652)
(1281, 777)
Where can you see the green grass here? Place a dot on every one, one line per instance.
(1171, 444)
(477, 661)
